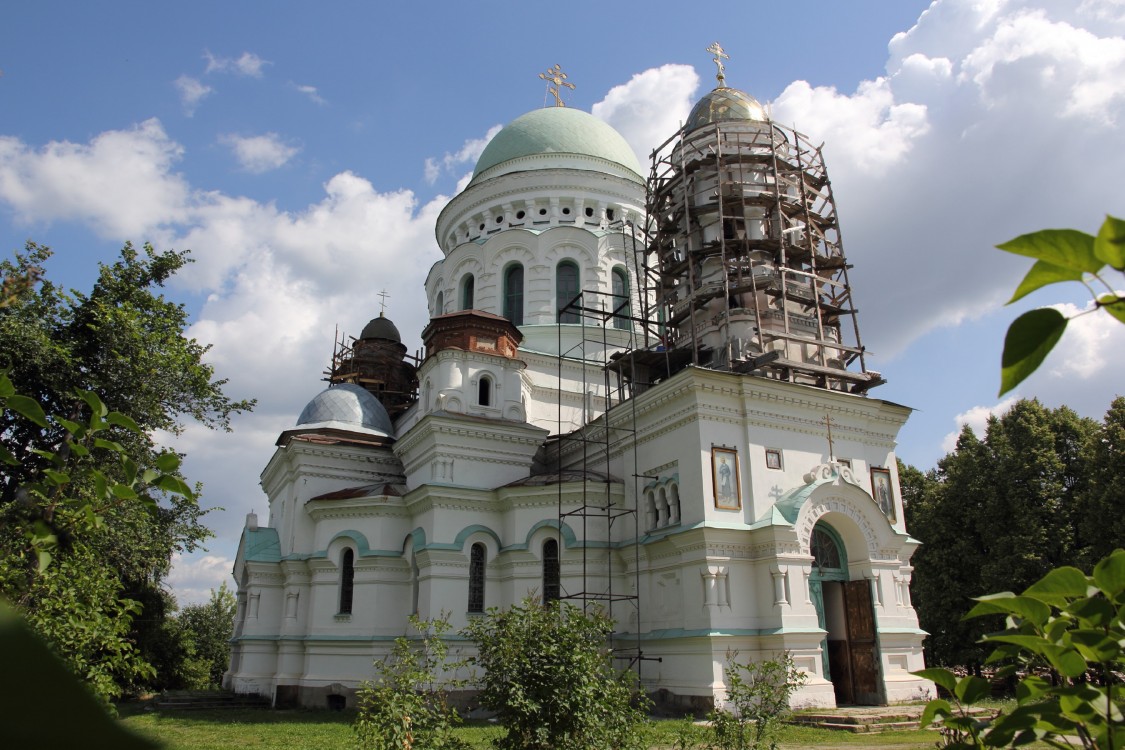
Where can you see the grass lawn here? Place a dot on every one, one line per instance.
(312, 730)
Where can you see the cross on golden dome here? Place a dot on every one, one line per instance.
(556, 79)
(716, 49)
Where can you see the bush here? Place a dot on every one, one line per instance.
(549, 676)
(758, 693)
(406, 707)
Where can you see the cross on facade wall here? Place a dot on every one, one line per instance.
(828, 422)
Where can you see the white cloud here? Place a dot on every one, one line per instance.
(976, 418)
(650, 107)
(284, 277)
(988, 111)
(121, 183)
(246, 64)
(259, 153)
(878, 132)
(192, 91)
(469, 153)
(1088, 344)
(193, 576)
(310, 92)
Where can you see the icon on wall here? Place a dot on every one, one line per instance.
(724, 474)
(882, 492)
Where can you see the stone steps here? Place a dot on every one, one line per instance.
(871, 719)
(862, 720)
(206, 700)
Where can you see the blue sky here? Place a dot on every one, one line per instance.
(303, 153)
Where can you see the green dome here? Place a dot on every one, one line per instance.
(724, 104)
(557, 130)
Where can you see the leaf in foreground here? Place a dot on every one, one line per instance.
(1030, 338)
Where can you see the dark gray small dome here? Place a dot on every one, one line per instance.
(381, 328)
(347, 406)
(725, 104)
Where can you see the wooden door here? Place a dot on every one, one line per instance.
(863, 646)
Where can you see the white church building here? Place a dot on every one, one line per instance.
(642, 387)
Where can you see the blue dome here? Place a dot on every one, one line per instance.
(347, 407)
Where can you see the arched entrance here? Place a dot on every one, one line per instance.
(844, 609)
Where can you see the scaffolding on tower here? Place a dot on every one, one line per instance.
(751, 272)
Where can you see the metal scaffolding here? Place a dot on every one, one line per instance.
(608, 428)
(751, 271)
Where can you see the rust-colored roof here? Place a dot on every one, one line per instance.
(365, 490)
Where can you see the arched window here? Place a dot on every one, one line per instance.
(551, 585)
(476, 578)
(484, 391)
(621, 297)
(513, 294)
(825, 550)
(467, 289)
(347, 581)
(566, 289)
(439, 304)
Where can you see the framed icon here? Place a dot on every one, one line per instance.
(773, 458)
(724, 475)
(882, 491)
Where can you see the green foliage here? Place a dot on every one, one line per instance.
(44, 705)
(688, 735)
(407, 705)
(999, 513)
(75, 606)
(1099, 523)
(1064, 637)
(550, 678)
(758, 696)
(85, 488)
(1061, 255)
(206, 630)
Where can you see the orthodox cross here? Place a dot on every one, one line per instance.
(828, 421)
(717, 50)
(558, 78)
(382, 302)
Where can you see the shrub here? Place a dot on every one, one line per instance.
(758, 695)
(406, 707)
(549, 676)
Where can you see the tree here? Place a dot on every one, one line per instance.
(943, 511)
(1099, 521)
(997, 513)
(550, 678)
(83, 481)
(208, 628)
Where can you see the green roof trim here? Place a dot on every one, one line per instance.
(262, 545)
